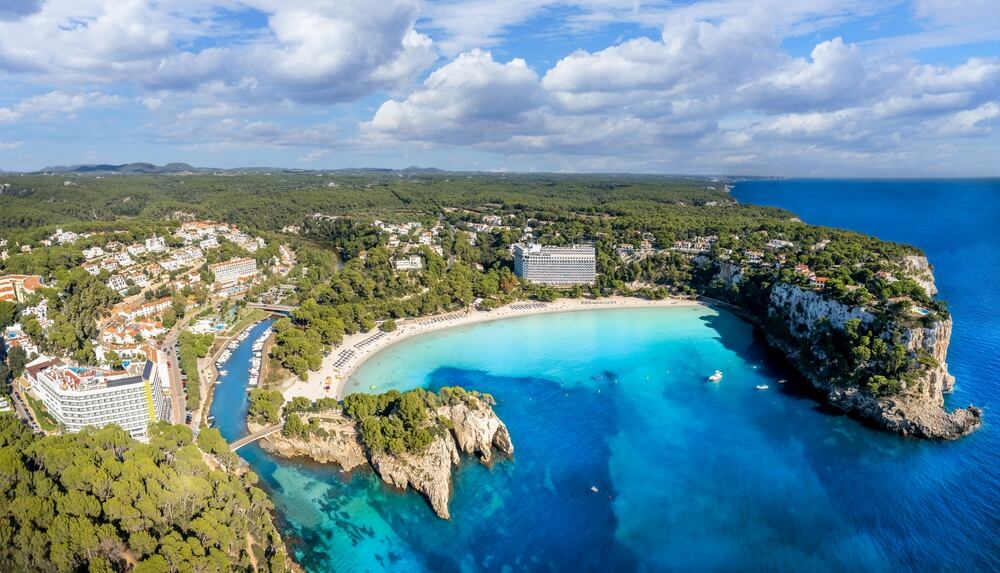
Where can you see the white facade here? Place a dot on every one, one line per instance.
(233, 270)
(78, 397)
(156, 245)
(572, 265)
(93, 252)
(411, 263)
(117, 283)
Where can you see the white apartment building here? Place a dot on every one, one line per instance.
(136, 249)
(411, 263)
(209, 243)
(79, 397)
(182, 258)
(93, 252)
(151, 308)
(233, 270)
(117, 283)
(123, 260)
(156, 244)
(576, 264)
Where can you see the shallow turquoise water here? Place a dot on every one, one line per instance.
(691, 476)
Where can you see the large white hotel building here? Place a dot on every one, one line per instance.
(232, 271)
(78, 397)
(576, 264)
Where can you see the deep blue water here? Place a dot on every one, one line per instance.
(691, 476)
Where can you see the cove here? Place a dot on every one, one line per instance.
(690, 475)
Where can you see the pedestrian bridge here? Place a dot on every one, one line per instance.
(282, 308)
(255, 436)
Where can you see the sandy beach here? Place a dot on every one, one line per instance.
(344, 360)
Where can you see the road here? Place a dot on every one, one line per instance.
(178, 404)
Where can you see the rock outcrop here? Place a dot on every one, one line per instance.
(341, 445)
(428, 472)
(918, 410)
(470, 427)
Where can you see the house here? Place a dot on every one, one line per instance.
(779, 244)
(754, 257)
(18, 287)
(818, 282)
(136, 250)
(117, 283)
(93, 252)
(411, 263)
(123, 260)
(156, 245)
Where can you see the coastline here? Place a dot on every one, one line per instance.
(345, 358)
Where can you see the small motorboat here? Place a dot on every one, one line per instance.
(223, 373)
(782, 381)
(593, 488)
(373, 386)
(716, 376)
(762, 386)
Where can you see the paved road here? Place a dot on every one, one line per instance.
(177, 401)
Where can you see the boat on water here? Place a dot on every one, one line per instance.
(716, 376)
(762, 386)
(593, 488)
(223, 373)
(782, 381)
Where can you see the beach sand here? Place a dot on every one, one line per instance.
(331, 378)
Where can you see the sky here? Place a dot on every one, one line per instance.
(817, 88)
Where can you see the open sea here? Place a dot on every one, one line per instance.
(690, 476)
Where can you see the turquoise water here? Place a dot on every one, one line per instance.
(691, 476)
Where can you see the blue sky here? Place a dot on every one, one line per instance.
(766, 87)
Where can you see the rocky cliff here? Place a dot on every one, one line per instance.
(917, 410)
(470, 427)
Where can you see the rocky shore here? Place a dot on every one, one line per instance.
(468, 427)
(918, 410)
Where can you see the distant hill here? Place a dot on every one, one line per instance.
(127, 168)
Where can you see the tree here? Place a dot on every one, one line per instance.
(8, 314)
(388, 325)
(16, 360)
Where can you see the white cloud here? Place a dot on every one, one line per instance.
(309, 51)
(58, 103)
(472, 99)
(705, 95)
(8, 145)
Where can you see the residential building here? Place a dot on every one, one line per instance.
(80, 397)
(123, 260)
(151, 308)
(576, 264)
(117, 283)
(93, 252)
(754, 257)
(65, 237)
(136, 249)
(411, 263)
(156, 245)
(19, 287)
(209, 243)
(180, 258)
(233, 271)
